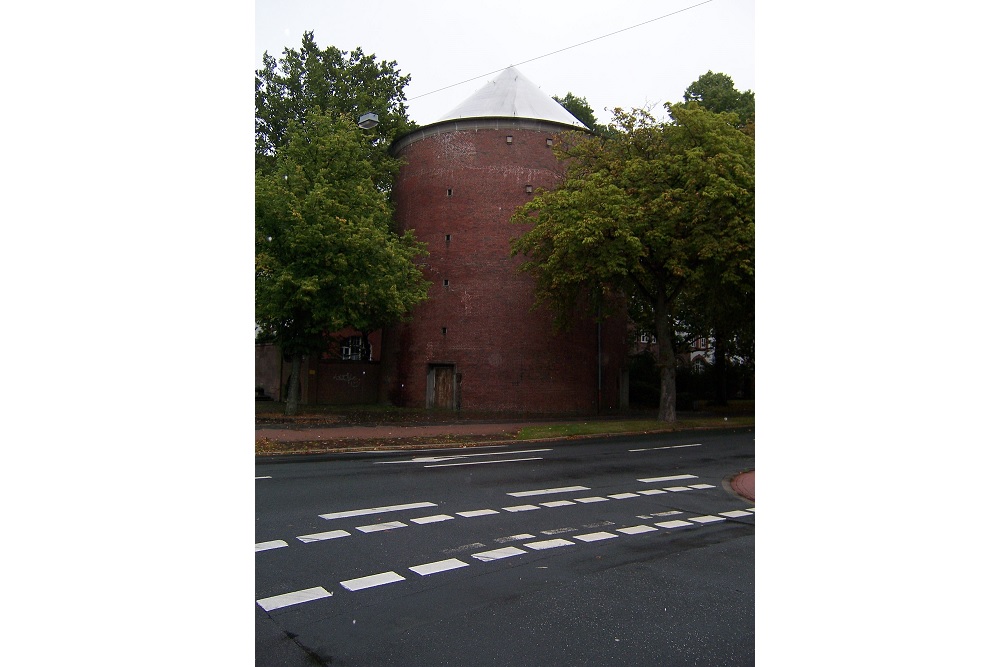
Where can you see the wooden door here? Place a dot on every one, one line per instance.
(444, 387)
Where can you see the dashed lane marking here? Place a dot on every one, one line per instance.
(264, 477)
(295, 597)
(592, 499)
(497, 554)
(515, 538)
(319, 537)
(438, 566)
(376, 527)
(545, 492)
(520, 508)
(651, 449)
(652, 492)
(558, 503)
(594, 537)
(376, 510)
(702, 486)
(372, 580)
(671, 478)
(432, 519)
(548, 544)
(708, 518)
(273, 544)
(635, 530)
(678, 488)
(623, 496)
(677, 523)
(482, 463)
(735, 514)
(473, 513)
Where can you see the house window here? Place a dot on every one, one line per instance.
(548, 142)
(510, 139)
(445, 282)
(447, 238)
(449, 192)
(351, 348)
(528, 189)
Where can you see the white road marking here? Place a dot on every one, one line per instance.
(497, 554)
(437, 459)
(295, 597)
(318, 537)
(650, 449)
(635, 530)
(670, 513)
(439, 566)
(708, 518)
(521, 508)
(273, 544)
(677, 488)
(473, 513)
(543, 492)
(480, 463)
(376, 510)
(736, 513)
(558, 531)
(702, 486)
(558, 503)
(594, 537)
(432, 519)
(548, 544)
(751, 509)
(371, 581)
(464, 547)
(652, 480)
(623, 496)
(515, 538)
(264, 477)
(652, 492)
(376, 527)
(677, 523)
(592, 499)
(598, 524)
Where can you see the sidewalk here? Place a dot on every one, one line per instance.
(285, 433)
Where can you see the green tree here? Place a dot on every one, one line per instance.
(717, 93)
(326, 255)
(579, 107)
(645, 210)
(337, 82)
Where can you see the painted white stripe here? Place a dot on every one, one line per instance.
(295, 597)
(464, 547)
(670, 513)
(318, 537)
(598, 524)
(376, 510)
(497, 554)
(521, 508)
(432, 519)
(736, 513)
(515, 538)
(652, 480)
(594, 537)
(677, 523)
(751, 509)
(264, 477)
(558, 531)
(480, 463)
(472, 513)
(623, 496)
(372, 580)
(652, 492)
(702, 486)
(273, 544)
(439, 566)
(438, 459)
(652, 449)
(635, 530)
(376, 527)
(543, 492)
(677, 488)
(708, 518)
(558, 503)
(592, 499)
(548, 544)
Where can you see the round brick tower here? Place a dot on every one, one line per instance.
(476, 344)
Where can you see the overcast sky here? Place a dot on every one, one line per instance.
(443, 43)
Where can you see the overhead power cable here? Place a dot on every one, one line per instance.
(552, 53)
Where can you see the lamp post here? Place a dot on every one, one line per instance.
(368, 121)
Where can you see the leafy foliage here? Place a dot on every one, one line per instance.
(336, 82)
(326, 255)
(717, 93)
(658, 210)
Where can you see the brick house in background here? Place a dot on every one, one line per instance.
(476, 343)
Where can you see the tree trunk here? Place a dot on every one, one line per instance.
(721, 368)
(292, 400)
(667, 364)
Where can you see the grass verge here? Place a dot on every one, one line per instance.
(571, 429)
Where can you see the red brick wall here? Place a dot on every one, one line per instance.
(507, 356)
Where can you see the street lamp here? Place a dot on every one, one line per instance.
(368, 121)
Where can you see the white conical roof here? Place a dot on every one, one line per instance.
(510, 95)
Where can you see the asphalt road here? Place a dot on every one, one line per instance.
(618, 551)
